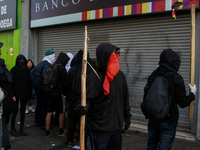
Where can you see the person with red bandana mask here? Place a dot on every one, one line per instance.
(108, 101)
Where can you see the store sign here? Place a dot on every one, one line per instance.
(8, 15)
(53, 12)
(49, 8)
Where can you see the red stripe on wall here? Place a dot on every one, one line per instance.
(84, 15)
(111, 12)
(160, 6)
(196, 2)
(139, 8)
(97, 14)
(120, 10)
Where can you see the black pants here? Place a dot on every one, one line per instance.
(22, 113)
(41, 107)
(106, 142)
(73, 123)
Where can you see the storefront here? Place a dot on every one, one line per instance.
(10, 30)
(142, 29)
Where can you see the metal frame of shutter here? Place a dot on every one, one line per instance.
(141, 40)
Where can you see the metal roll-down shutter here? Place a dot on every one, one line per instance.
(141, 40)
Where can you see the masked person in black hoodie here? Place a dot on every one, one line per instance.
(54, 98)
(8, 103)
(108, 101)
(74, 95)
(163, 131)
(22, 88)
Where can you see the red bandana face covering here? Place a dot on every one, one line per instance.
(112, 70)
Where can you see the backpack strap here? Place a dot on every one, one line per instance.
(171, 87)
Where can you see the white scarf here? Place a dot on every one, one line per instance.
(67, 66)
(50, 58)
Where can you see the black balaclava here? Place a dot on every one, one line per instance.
(21, 62)
(171, 58)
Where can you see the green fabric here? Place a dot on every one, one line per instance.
(49, 53)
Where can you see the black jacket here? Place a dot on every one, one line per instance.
(106, 113)
(170, 62)
(6, 85)
(22, 84)
(61, 75)
(76, 65)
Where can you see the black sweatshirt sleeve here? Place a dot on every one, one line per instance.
(180, 92)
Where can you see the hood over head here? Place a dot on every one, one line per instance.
(67, 67)
(21, 61)
(78, 58)
(4, 70)
(32, 63)
(62, 59)
(170, 59)
(103, 53)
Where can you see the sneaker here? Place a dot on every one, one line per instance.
(33, 110)
(27, 111)
(48, 133)
(62, 133)
(70, 144)
(23, 133)
(13, 132)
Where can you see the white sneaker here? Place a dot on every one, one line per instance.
(27, 111)
(33, 110)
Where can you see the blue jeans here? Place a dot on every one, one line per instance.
(160, 133)
(5, 135)
(31, 102)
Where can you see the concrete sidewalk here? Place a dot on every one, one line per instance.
(134, 139)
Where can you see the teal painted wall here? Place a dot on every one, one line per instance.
(12, 39)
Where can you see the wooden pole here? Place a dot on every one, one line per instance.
(192, 56)
(83, 92)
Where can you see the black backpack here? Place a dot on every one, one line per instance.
(76, 83)
(50, 78)
(157, 100)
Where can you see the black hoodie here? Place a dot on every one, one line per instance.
(61, 75)
(106, 112)
(6, 84)
(22, 85)
(170, 62)
(76, 65)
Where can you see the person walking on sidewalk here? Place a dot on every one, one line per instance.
(7, 103)
(54, 98)
(22, 88)
(37, 75)
(161, 133)
(31, 101)
(108, 101)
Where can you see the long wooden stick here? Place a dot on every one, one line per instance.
(192, 56)
(83, 92)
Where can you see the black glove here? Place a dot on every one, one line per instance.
(80, 110)
(127, 121)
